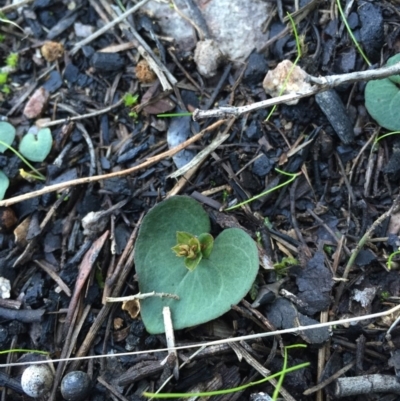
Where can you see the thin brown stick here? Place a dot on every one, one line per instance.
(95, 178)
(321, 84)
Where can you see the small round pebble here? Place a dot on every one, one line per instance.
(37, 380)
(75, 386)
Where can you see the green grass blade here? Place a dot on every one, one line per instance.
(39, 175)
(292, 176)
(360, 50)
(227, 391)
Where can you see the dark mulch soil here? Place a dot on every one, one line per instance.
(308, 229)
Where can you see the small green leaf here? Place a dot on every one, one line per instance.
(7, 134)
(130, 100)
(392, 61)
(208, 291)
(191, 263)
(382, 99)
(36, 146)
(4, 184)
(183, 238)
(207, 243)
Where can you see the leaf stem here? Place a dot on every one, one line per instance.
(229, 390)
(39, 175)
(24, 350)
(292, 178)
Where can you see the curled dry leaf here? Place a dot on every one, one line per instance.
(286, 78)
(132, 307)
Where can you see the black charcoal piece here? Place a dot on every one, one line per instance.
(256, 69)
(262, 166)
(88, 51)
(105, 163)
(353, 20)
(178, 132)
(118, 186)
(137, 328)
(252, 131)
(333, 107)
(71, 73)
(365, 257)
(315, 284)
(283, 315)
(347, 61)
(371, 32)
(107, 62)
(132, 153)
(62, 26)
(53, 82)
(39, 4)
(76, 386)
(392, 169)
(9, 382)
(34, 25)
(47, 18)
(121, 238)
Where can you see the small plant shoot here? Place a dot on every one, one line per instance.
(382, 99)
(36, 146)
(175, 254)
(193, 248)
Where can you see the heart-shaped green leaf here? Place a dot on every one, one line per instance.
(36, 146)
(382, 99)
(392, 61)
(206, 292)
(7, 134)
(4, 183)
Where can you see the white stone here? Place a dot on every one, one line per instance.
(37, 380)
(5, 288)
(286, 79)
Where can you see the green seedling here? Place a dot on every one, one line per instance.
(34, 149)
(258, 237)
(292, 176)
(390, 258)
(176, 254)
(280, 375)
(349, 31)
(285, 263)
(130, 100)
(382, 99)
(3, 78)
(5, 20)
(12, 60)
(11, 64)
